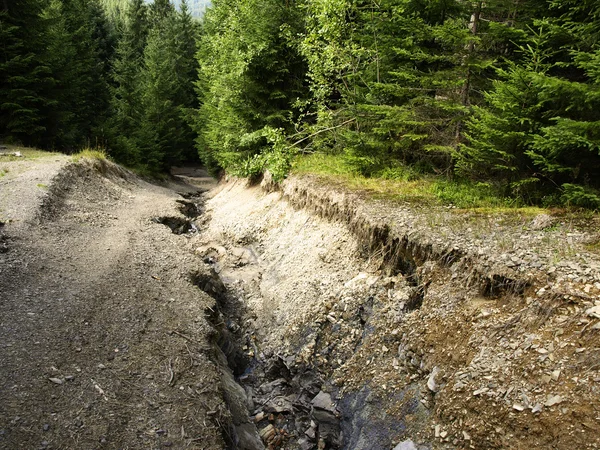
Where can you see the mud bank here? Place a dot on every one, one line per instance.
(355, 326)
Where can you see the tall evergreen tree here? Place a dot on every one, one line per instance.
(25, 77)
(77, 29)
(540, 128)
(127, 92)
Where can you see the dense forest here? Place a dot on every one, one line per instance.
(503, 93)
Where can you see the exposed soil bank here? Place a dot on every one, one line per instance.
(370, 327)
(138, 316)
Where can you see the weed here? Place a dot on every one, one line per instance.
(90, 153)
(42, 186)
(26, 153)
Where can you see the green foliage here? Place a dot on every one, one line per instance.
(250, 77)
(575, 195)
(496, 102)
(153, 90)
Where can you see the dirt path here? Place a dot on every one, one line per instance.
(103, 338)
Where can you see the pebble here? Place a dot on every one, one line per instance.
(56, 380)
(518, 407)
(480, 391)
(431, 384)
(553, 400)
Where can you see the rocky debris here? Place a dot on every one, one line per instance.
(326, 416)
(16, 154)
(457, 328)
(178, 225)
(541, 221)
(190, 209)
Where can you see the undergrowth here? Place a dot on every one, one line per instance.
(404, 184)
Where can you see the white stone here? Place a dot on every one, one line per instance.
(553, 400)
(406, 445)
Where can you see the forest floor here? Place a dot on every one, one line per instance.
(349, 322)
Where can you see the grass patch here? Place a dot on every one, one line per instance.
(403, 184)
(42, 186)
(89, 153)
(26, 153)
(593, 247)
(335, 168)
(3, 172)
(147, 173)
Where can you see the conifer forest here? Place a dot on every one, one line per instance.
(498, 93)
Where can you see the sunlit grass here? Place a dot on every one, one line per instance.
(26, 153)
(90, 153)
(403, 184)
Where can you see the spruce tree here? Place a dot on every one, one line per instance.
(127, 92)
(25, 77)
(540, 126)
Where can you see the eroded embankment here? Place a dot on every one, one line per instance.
(362, 329)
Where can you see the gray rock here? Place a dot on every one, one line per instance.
(247, 437)
(325, 415)
(541, 221)
(431, 384)
(323, 401)
(406, 445)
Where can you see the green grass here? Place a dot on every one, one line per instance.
(403, 184)
(89, 153)
(26, 153)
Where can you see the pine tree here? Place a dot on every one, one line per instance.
(25, 77)
(540, 128)
(127, 92)
(165, 136)
(76, 118)
(187, 72)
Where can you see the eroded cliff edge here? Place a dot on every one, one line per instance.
(365, 325)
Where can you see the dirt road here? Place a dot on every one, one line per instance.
(104, 341)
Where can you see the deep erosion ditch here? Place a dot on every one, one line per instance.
(348, 332)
